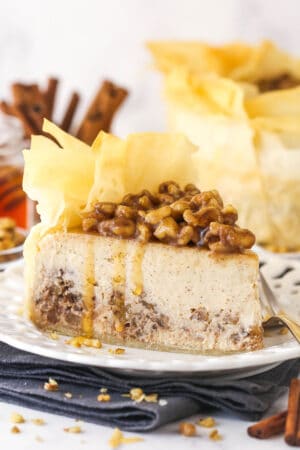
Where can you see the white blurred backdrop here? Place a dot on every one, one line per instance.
(84, 41)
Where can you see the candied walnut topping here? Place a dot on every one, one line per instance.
(172, 216)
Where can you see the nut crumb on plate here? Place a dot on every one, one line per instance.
(76, 429)
(187, 429)
(207, 422)
(118, 439)
(15, 430)
(80, 341)
(116, 351)
(215, 435)
(53, 335)
(17, 418)
(38, 421)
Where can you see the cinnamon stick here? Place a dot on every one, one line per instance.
(32, 102)
(28, 125)
(6, 108)
(70, 112)
(292, 426)
(50, 95)
(269, 427)
(101, 111)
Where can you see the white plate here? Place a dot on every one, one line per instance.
(15, 330)
(289, 255)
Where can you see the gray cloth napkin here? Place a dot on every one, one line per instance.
(22, 376)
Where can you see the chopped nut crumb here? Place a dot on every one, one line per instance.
(38, 421)
(75, 429)
(103, 390)
(86, 342)
(17, 418)
(151, 398)
(118, 439)
(136, 394)
(15, 429)
(68, 395)
(215, 435)
(39, 438)
(103, 398)
(116, 351)
(208, 422)
(51, 385)
(53, 335)
(187, 429)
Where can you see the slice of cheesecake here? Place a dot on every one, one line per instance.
(166, 271)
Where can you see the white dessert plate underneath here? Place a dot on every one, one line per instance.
(282, 274)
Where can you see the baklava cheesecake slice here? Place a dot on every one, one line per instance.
(126, 256)
(166, 270)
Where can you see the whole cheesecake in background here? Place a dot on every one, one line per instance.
(240, 105)
(132, 258)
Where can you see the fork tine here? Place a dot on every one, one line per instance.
(267, 309)
(269, 294)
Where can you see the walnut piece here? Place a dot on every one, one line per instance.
(187, 429)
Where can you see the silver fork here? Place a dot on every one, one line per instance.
(275, 315)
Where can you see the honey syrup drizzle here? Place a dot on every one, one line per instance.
(119, 283)
(89, 290)
(137, 270)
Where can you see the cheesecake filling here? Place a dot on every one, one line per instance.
(147, 295)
